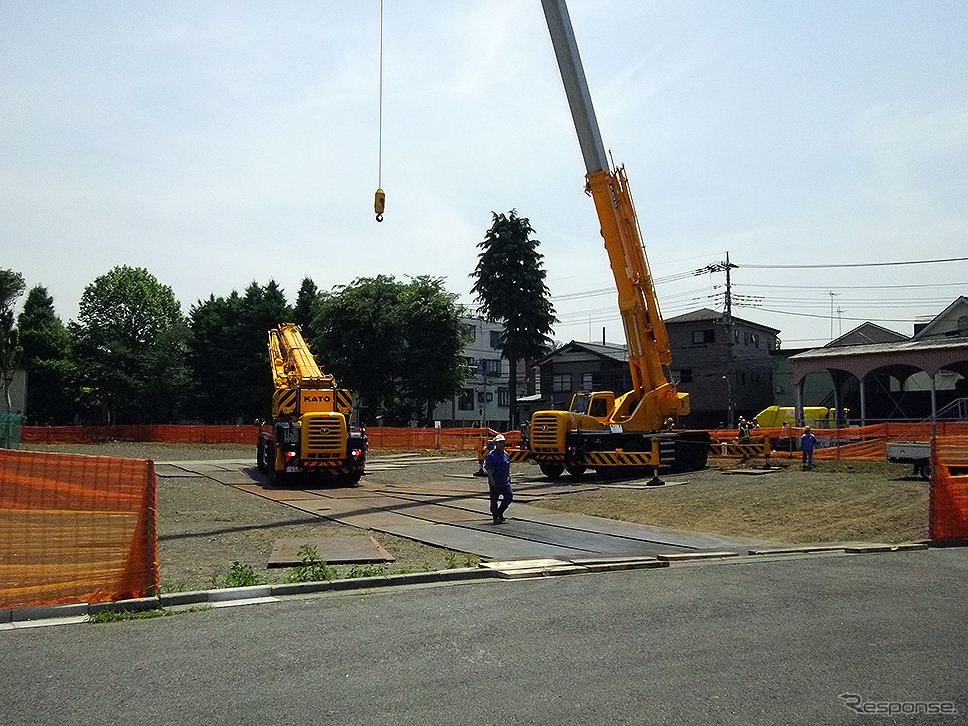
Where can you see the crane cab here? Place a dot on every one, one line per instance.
(597, 404)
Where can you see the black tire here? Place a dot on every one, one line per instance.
(576, 470)
(260, 456)
(925, 471)
(552, 469)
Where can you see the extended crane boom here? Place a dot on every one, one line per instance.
(602, 430)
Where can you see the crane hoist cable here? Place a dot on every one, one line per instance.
(380, 198)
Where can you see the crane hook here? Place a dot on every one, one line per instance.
(379, 204)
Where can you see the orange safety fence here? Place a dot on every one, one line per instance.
(170, 433)
(405, 439)
(855, 443)
(380, 437)
(949, 492)
(76, 529)
(858, 442)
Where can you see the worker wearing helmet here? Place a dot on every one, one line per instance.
(808, 443)
(497, 464)
(669, 424)
(744, 430)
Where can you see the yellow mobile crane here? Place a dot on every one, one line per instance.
(601, 430)
(310, 431)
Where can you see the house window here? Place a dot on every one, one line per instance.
(963, 326)
(703, 336)
(561, 382)
(493, 367)
(466, 400)
(495, 338)
(471, 331)
(588, 381)
(683, 376)
(503, 398)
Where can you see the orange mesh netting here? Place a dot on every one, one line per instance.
(172, 433)
(387, 437)
(949, 493)
(856, 443)
(76, 529)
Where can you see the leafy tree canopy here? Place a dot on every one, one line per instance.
(11, 287)
(46, 344)
(510, 287)
(398, 344)
(131, 346)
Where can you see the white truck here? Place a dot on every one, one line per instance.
(916, 453)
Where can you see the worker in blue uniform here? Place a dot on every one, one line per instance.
(497, 464)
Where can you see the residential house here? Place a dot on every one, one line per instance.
(724, 364)
(717, 375)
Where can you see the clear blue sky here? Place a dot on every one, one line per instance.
(219, 143)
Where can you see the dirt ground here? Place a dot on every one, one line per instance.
(204, 527)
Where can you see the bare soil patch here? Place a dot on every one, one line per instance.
(837, 501)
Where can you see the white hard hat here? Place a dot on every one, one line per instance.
(499, 439)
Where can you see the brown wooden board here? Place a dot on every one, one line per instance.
(331, 550)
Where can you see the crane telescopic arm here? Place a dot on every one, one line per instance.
(645, 331)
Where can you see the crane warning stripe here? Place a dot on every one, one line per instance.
(76, 528)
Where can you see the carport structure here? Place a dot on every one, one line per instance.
(899, 360)
(940, 345)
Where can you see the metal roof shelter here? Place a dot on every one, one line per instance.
(941, 344)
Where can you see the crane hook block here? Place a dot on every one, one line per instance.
(379, 203)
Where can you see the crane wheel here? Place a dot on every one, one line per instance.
(552, 469)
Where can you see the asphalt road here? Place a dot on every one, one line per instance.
(775, 641)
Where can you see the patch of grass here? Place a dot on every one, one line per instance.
(311, 569)
(240, 574)
(456, 560)
(116, 616)
(365, 571)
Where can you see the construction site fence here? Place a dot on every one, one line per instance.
(854, 443)
(948, 518)
(379, 437)
(76, 529)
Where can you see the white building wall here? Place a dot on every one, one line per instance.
(485, 400)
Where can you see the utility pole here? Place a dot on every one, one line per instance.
(728, 321)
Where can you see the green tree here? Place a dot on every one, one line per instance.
(46, 344)
(510, 288)
(214, 344)
(229, 354)
(359, 339)
(399, 345)
(11, 287)
(262, 308)
(306, 300)
(432, 366)
(131, 346)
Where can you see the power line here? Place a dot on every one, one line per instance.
(849, 287)
(853, 264)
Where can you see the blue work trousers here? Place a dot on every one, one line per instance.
(808, 458)
(501, 498)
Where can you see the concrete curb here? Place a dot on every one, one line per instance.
(32, 616)
(79, 612)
